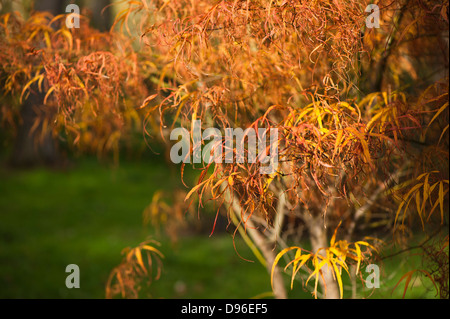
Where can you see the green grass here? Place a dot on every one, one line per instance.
(86, 215)
(393, 269)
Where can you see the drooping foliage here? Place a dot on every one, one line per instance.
(361, 114)
(92, 81)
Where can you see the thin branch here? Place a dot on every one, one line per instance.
(411, 247)
(381, 67)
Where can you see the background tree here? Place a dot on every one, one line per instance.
(30, 146)
(26, 150)
(88, 93)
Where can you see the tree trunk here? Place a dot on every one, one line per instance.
(263, 244)
(318, 237)
(29, 148)
(279, 290)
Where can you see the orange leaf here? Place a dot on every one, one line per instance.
(147, 100)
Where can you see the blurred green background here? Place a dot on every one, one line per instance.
(87, 213)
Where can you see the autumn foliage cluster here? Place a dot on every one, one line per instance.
(91, 81)
(362, 116)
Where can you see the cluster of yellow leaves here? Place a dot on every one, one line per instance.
(438, 113)
(334, 258)
(429, 185)
(329, 137)
(170, 212)
(384, 111)
(139, 263)
(424, 193)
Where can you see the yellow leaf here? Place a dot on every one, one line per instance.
(443, 107)
(153, 249)
(48, 94)
(147, 100)
(419, 208)
(277, 259)
(230, 181)
(333, 239)
(319, 117)
(48, 42)
(414, 188)
(337, 142)
(138, 255)
(339, 280)
(359, 256)
(182, 102)
(298, 253)
(385, 97)
(302, 259)
(441, 200)
(442, 134)
(364, 144)
(372, 121)
(25, 88)
(316, 271)
(69, 37)
(194, 189)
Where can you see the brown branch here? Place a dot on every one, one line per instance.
(371, 201)
(411, 247)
